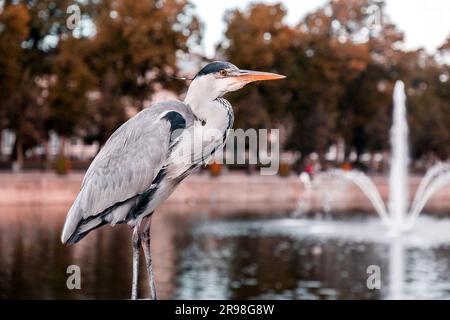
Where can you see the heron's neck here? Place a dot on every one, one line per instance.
(197, 102)
(213, 114)
(207, 108)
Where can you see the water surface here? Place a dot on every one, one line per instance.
(226, 256)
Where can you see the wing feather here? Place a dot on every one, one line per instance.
(126, 165)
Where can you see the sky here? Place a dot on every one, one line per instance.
(426, 23)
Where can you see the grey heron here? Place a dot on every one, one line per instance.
(139, 166)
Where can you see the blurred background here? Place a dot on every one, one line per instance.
(66, 84)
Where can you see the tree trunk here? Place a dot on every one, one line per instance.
(18, 163)
(62, 146)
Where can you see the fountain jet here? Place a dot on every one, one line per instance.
(398, 178)
(399, 217)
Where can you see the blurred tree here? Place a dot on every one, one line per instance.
(259, 39)
(13, 30)
(428, 104)
(83, 81)
(446, 46)
(69, 87)
(340, 61)
(353, 43)
(31, 28)
(18, 88)
(315, 61)
(135, 47)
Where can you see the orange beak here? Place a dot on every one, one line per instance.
(251, 76)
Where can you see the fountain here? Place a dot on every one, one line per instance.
(399, 217)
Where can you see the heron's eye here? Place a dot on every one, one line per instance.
(223, 73)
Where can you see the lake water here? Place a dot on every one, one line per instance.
(232, 255)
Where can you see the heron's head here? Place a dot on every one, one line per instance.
(219, 77)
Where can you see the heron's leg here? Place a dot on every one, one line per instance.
(146, 239)
(136, 247)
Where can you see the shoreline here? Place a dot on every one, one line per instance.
(231, 191)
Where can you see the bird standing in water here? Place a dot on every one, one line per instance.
(150, 154)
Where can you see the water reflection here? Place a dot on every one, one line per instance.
(204, 253)
(252, 267)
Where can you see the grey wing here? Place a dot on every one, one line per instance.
(125, 167)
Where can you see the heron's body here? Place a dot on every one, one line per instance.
(149, 155)
(151, 141)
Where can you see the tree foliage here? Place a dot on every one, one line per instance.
(341, 66)
(84, 81)
(341, 63)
